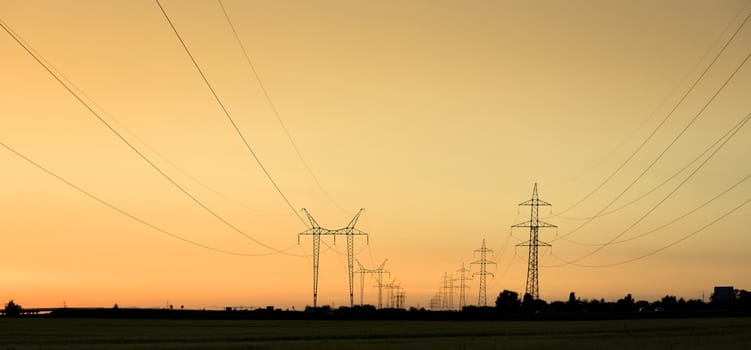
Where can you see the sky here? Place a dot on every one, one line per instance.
(437, 117)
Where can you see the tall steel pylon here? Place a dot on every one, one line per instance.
(435, 301)
(378, 272)
(379, 280)
(534, 243)
(401, 297)
(463, 286)
(448, 292)
(317, 231)
(396, 295)
(482, 297)
(391, 300)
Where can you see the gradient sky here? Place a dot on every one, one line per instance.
(436, 116)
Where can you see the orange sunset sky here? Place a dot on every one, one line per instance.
(437, 117)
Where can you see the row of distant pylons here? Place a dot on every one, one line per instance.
(396, 296)
(444, 299)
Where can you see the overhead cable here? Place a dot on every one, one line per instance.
(132, 216)
(229, 116)
(664, 120)
(275, 111)
(653, 252)
(667, 148)
(132, 147)
(648, 212)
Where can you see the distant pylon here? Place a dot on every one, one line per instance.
(534, 224)
(317, 231)
(448, 292)
(391, 297)
(378, 272)
(482, 298)
(463, 286)
(401, 298)
(397, 295)
(435, 302)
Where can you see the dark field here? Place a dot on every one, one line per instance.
(701, 333)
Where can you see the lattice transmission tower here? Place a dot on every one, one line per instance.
(448, 291)
(392, 293)
(534, 243)
(396, 296)
(317, 231)
(463, 286)
(378, 274)
(482, 298)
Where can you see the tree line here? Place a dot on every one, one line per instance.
(509, 301)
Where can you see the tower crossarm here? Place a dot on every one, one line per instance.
(353, 222)
(539, 243)
(380, 267)
(483, 273)
(536, 202)
(530, 223)
(313, 222)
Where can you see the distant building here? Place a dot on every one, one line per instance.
(723, 294)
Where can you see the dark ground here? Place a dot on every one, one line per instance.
(643, 334)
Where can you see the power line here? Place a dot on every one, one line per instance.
(670, 145)
(659, 105)
(741, 181)
(744, 120)
(275, 110)
(133, 134)
(229, 117)
(129, 215)
(669, 245)
(659, 185)
(133, 148)
(649, 137)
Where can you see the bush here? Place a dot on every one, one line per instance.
(12, 309)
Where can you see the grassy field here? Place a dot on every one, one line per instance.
(714, 333)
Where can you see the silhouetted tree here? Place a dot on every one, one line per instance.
(642, 306)
(12, 309)
(527, 302)
(531, 304)
(669, 302)
(625, 304)
(743, 298)
(573, 304)
(695, 304)
(559, 306)
(507, 301)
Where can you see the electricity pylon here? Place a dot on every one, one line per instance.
(463, 286)
(317, 231)
(401, 297)
(534, 224)
(379, 280)
(397, 294)
(482, 298)
(390, 287)
(378, 272)
(435, 301)
(446, 292)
